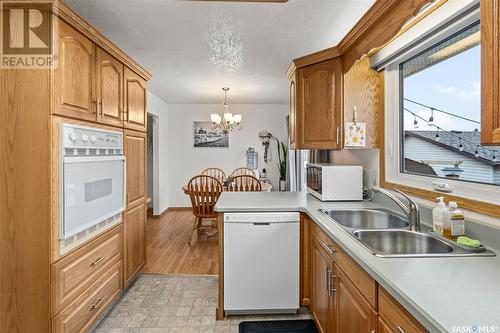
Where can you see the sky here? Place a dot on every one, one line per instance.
(452, 85)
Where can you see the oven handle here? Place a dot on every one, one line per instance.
(76, 159)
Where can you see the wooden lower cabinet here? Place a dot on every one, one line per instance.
(383, 327)
(86, 281)
(323, 302)
(134, 240)
(354, 313)
(395, 317)
(344, 297)
(81, 315)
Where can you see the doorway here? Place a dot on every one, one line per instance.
(152, 163)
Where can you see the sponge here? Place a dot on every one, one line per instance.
(466, 241)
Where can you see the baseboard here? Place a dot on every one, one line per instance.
(179, 208)
(169, 209)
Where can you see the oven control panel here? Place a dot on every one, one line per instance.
(74, 136)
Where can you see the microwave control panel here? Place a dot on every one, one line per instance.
(74, 136)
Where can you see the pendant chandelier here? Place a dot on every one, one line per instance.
(227, 122)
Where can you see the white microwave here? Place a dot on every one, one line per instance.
(329, 182)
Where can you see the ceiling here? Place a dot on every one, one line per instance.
(194, 48)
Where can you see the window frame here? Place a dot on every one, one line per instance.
(390, 59)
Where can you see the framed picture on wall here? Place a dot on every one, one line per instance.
(206, 137)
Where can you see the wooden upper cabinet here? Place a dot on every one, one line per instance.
(322, 300)
(318, 107)
(135, 153)
(490, 72)
(74, 75)
(364, 89)
(292, 115)
(135, 101)
(109, 88)
(354, 313)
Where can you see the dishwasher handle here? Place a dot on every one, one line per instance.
(261, 223)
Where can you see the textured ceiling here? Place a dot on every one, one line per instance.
(194, 48)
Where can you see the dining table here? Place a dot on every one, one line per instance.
(266, 187)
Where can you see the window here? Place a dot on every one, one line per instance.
(440, 112)
(432, 78)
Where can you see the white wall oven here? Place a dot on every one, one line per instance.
(93, 178)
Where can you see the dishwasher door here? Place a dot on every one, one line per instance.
(261, 262)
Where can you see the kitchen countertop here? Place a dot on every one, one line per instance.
(444, 294)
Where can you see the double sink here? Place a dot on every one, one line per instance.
(387, 234)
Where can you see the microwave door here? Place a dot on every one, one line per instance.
(93, 191)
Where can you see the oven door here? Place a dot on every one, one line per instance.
(93, 190)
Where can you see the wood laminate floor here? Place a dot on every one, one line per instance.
(168, 251)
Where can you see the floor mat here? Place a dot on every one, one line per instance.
(272, 326)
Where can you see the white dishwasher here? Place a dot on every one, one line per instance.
(261, 262)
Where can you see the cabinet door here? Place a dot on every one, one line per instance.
(292, 115)
(135, 154)
(109, 88)
(134, 240)
(74, 75)
(135, 101)
(383, 327)
(322, 294)
(490, 72)
(320, 105)
(354, 313)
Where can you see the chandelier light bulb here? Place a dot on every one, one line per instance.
(476, 153)
(415, 122)
(460, 145)
(437, 138)
(494, 157)
(227, 122)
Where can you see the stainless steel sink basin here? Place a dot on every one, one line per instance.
(400, 243)
(367, 219)
(387, 234)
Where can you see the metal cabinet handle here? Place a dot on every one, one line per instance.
(329, 248)
(329, 281)
(96, 262)
(99, 101)
(333, 276)
(338, 134)
(400, 330)
(96, 305)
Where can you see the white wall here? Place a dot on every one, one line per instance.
(368, 158)
(186, 161)
(159, 108)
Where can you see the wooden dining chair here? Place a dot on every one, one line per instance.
(216, 173)
(204, 191)
(244, 183)
(243, 171)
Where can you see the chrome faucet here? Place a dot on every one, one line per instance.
(411, 211)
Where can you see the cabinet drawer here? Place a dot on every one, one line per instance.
(80, 315)
(395, 316)
(361, 279)
(77, 271)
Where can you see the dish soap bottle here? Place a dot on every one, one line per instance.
(438, 215)
(456, 224)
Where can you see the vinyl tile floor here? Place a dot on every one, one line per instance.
(174, 303)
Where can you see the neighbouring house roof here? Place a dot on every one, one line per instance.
(418, 167)
(451, 142)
